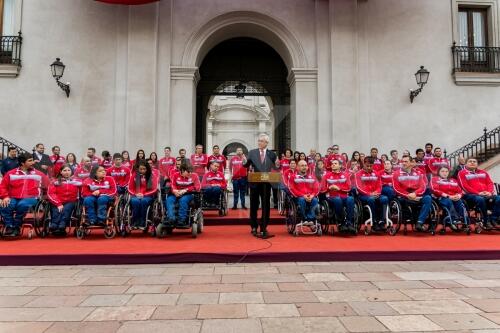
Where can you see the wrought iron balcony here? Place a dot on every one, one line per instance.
(476, 59)
(10, 50)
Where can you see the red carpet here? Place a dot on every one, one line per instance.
(234, 243)
(237, 217)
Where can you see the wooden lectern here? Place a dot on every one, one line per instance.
(264, 177)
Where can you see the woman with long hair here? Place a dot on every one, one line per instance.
(154, 159)
(140, 155)
(126, 159)
(285, 161)
(356, 157)
(142, 187)
(72, 161)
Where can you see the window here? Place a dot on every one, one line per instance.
(472, 27)
(7, 10)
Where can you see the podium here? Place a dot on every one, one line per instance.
(264, 177)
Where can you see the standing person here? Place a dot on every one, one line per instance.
(139, 156)
(419, 161)
(106, 161)
(285, 161)
(428, 152)
(42, 161)
(199, 161)
(142, 187)
(120, 173)
(63, 196)
(239, 178)
(311, 159)
(72, 162)
(334, 155)
(154, 160)
(10, 162)
(94, 160)
(97, 191)
(378, 165)
(167, 163)
(437, 162)
(83, 171)
(217, 157)
(57, 160)
(460, 166)
(261, 160)
(395, 161)
(126, 159)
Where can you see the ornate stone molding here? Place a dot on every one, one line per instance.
(302, 75)
(185, 73)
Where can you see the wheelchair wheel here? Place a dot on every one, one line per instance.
(80, 233)
(199, 225)
(291, 216)
(41, 217)
(358, 215)
(109, 231)
(395, 215)
(161, 231)
(324, 209)
(223, 204)
(435, 218)
(281, 202)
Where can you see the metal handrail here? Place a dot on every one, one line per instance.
(10, 49)
(5, 144)
(476, 59)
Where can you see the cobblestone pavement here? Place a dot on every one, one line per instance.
(461, 296)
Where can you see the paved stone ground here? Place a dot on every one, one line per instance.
(291, 297)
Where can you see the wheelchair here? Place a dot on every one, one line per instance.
(282, 201)
(364, 218)
(154, 215)
(477, 219)
(42, 223)
(31, 220)
(407, 214)
(221, 206)
(443, 218)
(195, 219)
(333, 223)
(295, 223)
(84, 229)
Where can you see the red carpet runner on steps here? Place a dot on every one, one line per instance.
(223, 242)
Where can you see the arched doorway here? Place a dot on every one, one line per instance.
(230, 149)
(242, 68)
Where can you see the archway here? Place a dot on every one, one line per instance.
(231, 148)
(244, 68)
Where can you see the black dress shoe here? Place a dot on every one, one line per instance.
(265, 235)
(254, 231)
(244, 207)
(419, 227)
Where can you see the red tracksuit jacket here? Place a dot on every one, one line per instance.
(132, 188)
(330, 158)
(219, 158)
(421, 166)
(81, 173)
(199, 163)
(236, 167)
(440, 186)
(96, 160)
(121, 175)
(386, 178)
(301, 185)
(474, 182)
(214, 178)
(287, 175)
(433, 164)
(166, 164)
(106, 186)
(368, 182)
(284, 164)
(18, 184)
(341, 179)
(57, 163)
(405, 183)
(378, 165)
(64, 191)
(191, 183)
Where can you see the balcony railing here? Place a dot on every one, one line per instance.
(476, 59)
(10, 50)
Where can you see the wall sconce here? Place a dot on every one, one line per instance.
(57, 72)
(422, 75)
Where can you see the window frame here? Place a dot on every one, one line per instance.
(492, 18)
(1, 17)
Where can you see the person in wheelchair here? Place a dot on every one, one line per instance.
(369, 188)
(19, 191)
(63, 195)
(213, 184)
(184, 184)
(448, 194)
(410, 186)
(479, 191)
(120, 173)
(305, 188)
(337, 186)
(98, 191)
(386, 178)
(142, 186)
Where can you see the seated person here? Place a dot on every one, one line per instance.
(369, 187)
(410, 185)
(337, 186)
(479, 191)
(386, 178)
(142, 186)
(120, 173)
(213, 184)
(19, 191)
(304, 188)
(184, 184)
(97, 191)
(448, 194)
(63, 195)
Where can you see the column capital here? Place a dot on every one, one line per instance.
(185, 73)
(302, 75)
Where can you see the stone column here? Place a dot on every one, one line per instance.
(304, 108)
(183, 107)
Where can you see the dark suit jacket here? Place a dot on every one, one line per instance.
(253, 159)
(44, 161)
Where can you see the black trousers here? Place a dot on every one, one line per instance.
(260, 192)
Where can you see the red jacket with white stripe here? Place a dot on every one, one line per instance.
(287, 175)
(475, 182)
(331, 157)
(57, 163)
(440, 186)
(64, 191)
(82, 173)
(217, 158)
(284, 164)
(341, 179)
(386, 177)
(433, 164)
(378, 165)
(121, 175)
(368, 182)
(199, 163)
(405, 183)
(165, 165)
(421, 166)
(190, 183)
(301, 185)
(214, 179)
(237, 168)
(143, 186)
(96, 160)
(18, 184)
(106, 186)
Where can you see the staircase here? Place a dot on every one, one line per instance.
(484, 148)
(5, 144)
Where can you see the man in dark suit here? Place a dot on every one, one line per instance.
(42, 161)
(260, 160)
